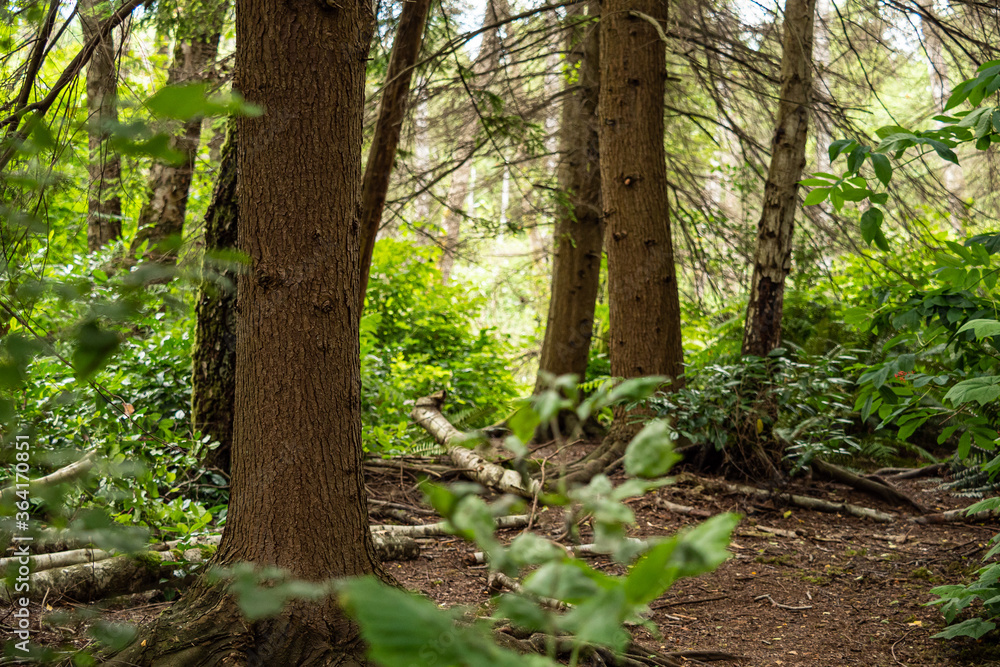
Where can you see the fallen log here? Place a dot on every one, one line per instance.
(682, 509)
(427, 413)
(877, 487)
(108, 574)
(806, 502)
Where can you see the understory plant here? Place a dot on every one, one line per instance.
(949, 338)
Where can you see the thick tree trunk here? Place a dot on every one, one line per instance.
(579, 229)
(213, 389)
(645, 334)
(773, 257)
(104, 205)
(298, 497)
(392, 109)
(161, 220)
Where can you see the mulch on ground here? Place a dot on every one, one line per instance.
(802, 587)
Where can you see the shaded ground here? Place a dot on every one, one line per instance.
(825, 590)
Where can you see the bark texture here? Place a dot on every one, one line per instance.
(773, 256)
(104, 204)
(392, 109)
(213, 387)
(298, 497)
(579, 229)
(161, 220)
(645, 332)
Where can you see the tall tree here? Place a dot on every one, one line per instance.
(161, 220)
(578, 238)
(104, 204)
(213, 382)
(298, 497)
(773, 257)
(392, 109)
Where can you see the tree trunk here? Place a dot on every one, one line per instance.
(161, 220)
(298, 497)
(213, 383)
(104, 205)
(645, 331)
(773, 257)
(579, 229)
(392, 108)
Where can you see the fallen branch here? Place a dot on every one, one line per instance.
(955, 516)
(480, 558)
(877, 487)
(427, 413)
(65, 474)
(767, 596)
(498, 581)
(913, 473)
(805, 502)
(682, 509)
(441, 528)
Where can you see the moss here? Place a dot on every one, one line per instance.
(925, 574)
(151, 560)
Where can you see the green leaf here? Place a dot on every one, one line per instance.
(983, 390)
(180, 102)
(838, 147)
(983, 328)
(404, 630)
(871, 228)
(651, 452)
(883, 169)
(817, 196)
(974, 627)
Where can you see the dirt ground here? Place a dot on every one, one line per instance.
(825, 590)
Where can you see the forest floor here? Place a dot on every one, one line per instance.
(825, 590)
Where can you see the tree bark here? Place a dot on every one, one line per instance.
(392, 109)
(773, 257)
(213, 386)
(579, 231)
(645, 331)
(298, 496)
(104, 204)
(161, 220)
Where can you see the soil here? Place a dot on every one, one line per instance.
(825, 590)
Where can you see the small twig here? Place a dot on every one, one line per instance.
(782, 606)
(684, 603)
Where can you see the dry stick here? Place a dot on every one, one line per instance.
(427, 413)
(682, 509)
(441, 528)
(767, 596)
(876, 487)
(480, 558)
(685, 603)
(805, 502)
(498, 581)
(926, 471)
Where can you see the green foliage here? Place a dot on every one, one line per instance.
(813, 394)
(419, 336)
(594, 604)
(949, 333)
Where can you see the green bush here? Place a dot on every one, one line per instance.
(418, 337)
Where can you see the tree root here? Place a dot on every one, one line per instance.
(876, 487)
(805, 502)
